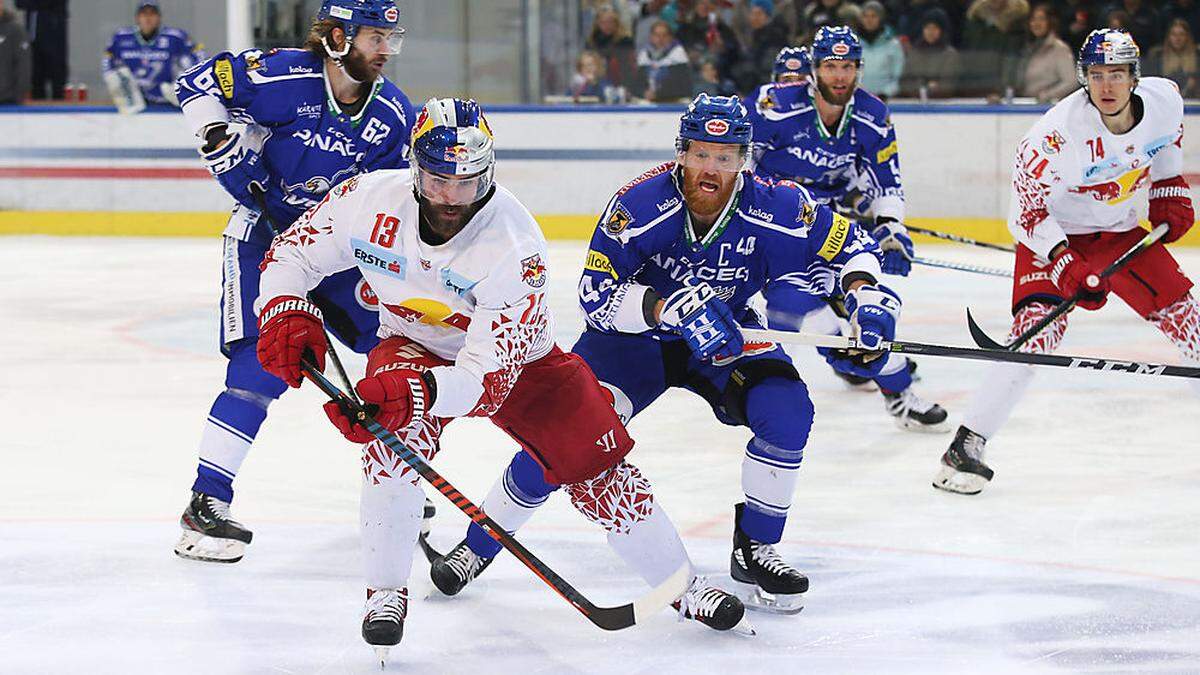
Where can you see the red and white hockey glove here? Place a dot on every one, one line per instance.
(1072, 273)
(1171, 203)
(399, 397)
(288, 328)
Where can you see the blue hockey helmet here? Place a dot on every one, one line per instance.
(793, 61)
(1107, 47)
(715, 119)
(453, 158)
(354, 14)
(836, 42)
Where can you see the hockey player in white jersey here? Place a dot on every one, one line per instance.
(1072, 214)
(458, 265)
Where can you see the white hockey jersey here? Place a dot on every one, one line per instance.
(476, 300)
(1073, 176)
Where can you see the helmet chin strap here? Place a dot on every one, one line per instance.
(337, 57)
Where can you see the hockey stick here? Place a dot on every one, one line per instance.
(962, 267)
(959, 239)
(260, 198)
(981, 338)
(922, 349)
(608, 618)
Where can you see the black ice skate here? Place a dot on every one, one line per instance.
(914, 413)
(453, 571)
(963, 470)
(768, 583)
(383, 619)
(713, 607)
(209, 533)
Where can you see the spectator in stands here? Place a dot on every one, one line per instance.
(651, 11)
(1117, 18)
(1176, 59)
(931, 67)
(610, 39)
(590, 80)
(1047, 70)
(883, 57)
(767, 36)
(1080, 18)
(1188, 10)
(664, 72)
(909, 18)
(710, 81)
(819, 13)
(1141, 21)
(46, 26)
(707, 37)
(992, 40)
(14, 59)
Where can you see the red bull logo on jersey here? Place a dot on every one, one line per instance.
(1116, 191)
(533, 272)
(1052, 143)
(716, 127)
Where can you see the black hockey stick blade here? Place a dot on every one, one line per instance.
(1066, 305)
(608, 618)
(431, 553)
(979, 336)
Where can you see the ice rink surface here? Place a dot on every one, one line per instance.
(1082, 555)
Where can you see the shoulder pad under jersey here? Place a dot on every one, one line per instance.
(642, 201)
(281, 62)
(777, 204)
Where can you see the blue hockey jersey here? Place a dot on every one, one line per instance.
(769, 233)
(312, 144)
(855, 165)
(155, 61)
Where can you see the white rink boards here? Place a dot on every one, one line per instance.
(1083, 555)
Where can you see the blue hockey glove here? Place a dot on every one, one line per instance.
(874, 311)
(896, 245)
(703, 319)
(232, 154)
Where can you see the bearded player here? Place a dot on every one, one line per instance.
(837, 140)
(458, 265)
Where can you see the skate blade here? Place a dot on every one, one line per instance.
(744, 628)
(757, 600)
(914, 426)
(959, 482)
(382, 653)
(195, 545)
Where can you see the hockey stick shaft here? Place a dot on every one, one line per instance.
(260, 198)
(922, 349)
(1151, 238)
(608, 618)
(962, 267)
(959, 239)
